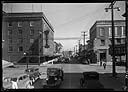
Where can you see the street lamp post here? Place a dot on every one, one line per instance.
(113, 35)
(39, 46)
(41, 35)
(76, 49)
(79, 47)
(26, 60)
(126, 45)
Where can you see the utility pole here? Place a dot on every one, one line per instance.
(113, 36)
(84, 41)
(84, 34)
(76, 49)
(126, 45)
(79, 46)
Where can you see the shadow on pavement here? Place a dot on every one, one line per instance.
(72, 81)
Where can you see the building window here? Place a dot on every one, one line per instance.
(10, 41)
(118, 40)
(20, 48)
(102, 32)
(20, 31)
(110, 31)
(116, 32)
(31, 23)
(20, 40)
(123, 41)
(31, 31)
(9, 24)
(9, 32)
(123, 31)
(10, 48)
(102, 42)
(119, 31)
(19, 24)
(31, 40)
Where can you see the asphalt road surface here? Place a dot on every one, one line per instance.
(73, 73)
(71, 81)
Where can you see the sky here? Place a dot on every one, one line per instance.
(69, 19)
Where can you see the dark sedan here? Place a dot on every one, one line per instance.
(54, 78)
(90, 80)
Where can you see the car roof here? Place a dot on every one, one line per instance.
(90, 72)
(55, 67)
(21, 75)
(32, 68)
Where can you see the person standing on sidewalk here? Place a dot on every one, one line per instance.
(14, 83)
(101, 62)
(104, 64)
(29, 84)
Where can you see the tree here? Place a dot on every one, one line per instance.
(58, 47)
(91, 56)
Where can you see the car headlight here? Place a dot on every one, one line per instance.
(55, 78)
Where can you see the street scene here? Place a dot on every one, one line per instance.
(65, 46)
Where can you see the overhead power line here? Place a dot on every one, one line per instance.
(68, 38)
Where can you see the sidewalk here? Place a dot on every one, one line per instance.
(98, 63)
(110, 82)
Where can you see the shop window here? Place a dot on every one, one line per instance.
(102, 42)
(10, 48)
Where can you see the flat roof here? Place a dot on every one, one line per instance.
(25, 15)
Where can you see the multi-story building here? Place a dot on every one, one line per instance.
(101, 37)
(26, 35)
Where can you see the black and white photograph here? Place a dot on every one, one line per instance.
(80, 46)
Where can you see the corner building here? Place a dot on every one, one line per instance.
(26, 35)
(101, 38)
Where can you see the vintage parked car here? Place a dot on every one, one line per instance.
(34, 72)
(7, 83)
(54, 77)
(90, 80)
(20, 79)
(31, 70)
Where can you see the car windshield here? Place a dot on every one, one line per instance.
(32, 69)
(52, 71)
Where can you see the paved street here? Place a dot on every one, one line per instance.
(73, 73)
(77, 38)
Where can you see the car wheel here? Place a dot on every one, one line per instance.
(81, 82)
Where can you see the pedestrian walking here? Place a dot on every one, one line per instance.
(104, 65)
(32, 79)
(14, 83)
(29, 84)
(100, 62)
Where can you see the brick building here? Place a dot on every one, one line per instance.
(101, 37)
(29, 33)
